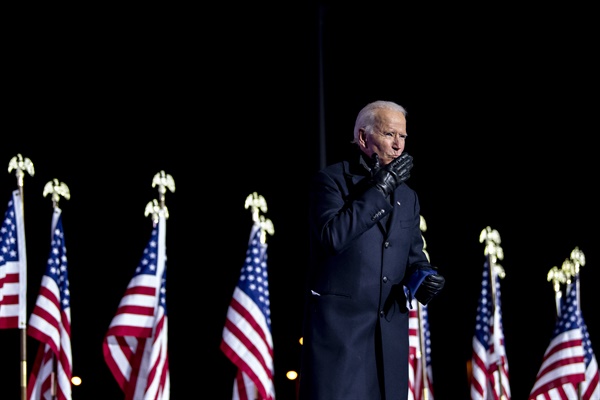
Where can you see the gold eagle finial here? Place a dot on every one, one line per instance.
(423, 226)
(153, 208)
(258, 203)
(56, 189)
(163, 181)
(22, 165)
(491, 237)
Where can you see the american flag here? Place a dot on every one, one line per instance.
(563, 365)
(246, 338)
(590, 388)
(135, 345)
(419, 364)
(13, 266)
(489, 364)
(50, 324)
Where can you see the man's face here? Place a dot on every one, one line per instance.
(388, 136)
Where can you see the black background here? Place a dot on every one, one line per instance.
(230, 100)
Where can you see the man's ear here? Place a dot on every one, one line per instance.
(362, 138)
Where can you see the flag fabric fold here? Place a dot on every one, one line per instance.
(563, 364)
(590, 388)
(246, 338)
(489, 364)
(50, 324)
(420, 382)
(13, 266)
(135, 345)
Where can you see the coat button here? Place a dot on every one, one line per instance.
(385, 279)
(386, 244)
(381, 314)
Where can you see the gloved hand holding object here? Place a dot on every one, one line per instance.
(424, 282)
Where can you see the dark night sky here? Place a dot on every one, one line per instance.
(502, 115)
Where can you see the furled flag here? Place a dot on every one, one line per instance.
(419, 364)
(50, 324)
(13, 266)
(590, 388)
(490, 378)
(246, 338)
(135, 346)
(563, 365)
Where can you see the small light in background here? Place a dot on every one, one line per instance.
(291, 375)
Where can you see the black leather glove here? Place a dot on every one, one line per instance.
(390, 176)
(431, 286)
(423, 282)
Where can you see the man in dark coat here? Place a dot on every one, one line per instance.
(366, 264)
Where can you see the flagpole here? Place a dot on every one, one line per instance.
(22, 165)
(571, 267)
(56, 189)
(557, 276)
(257, 203)
(494, 252)
(425, 377)
(577, 260)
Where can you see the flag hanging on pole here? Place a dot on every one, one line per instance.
(135, 346)
(13, 266)
(50, 324)
(563, 366)
(420, 372)
(490, 378)
(590, 388)
(246, 338)
(419, 365)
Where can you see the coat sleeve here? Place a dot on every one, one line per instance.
(339, 214)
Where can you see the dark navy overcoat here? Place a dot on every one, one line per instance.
(355, 338)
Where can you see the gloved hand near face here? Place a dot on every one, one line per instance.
(387, 178)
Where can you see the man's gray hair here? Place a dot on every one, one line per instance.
(367, 116)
